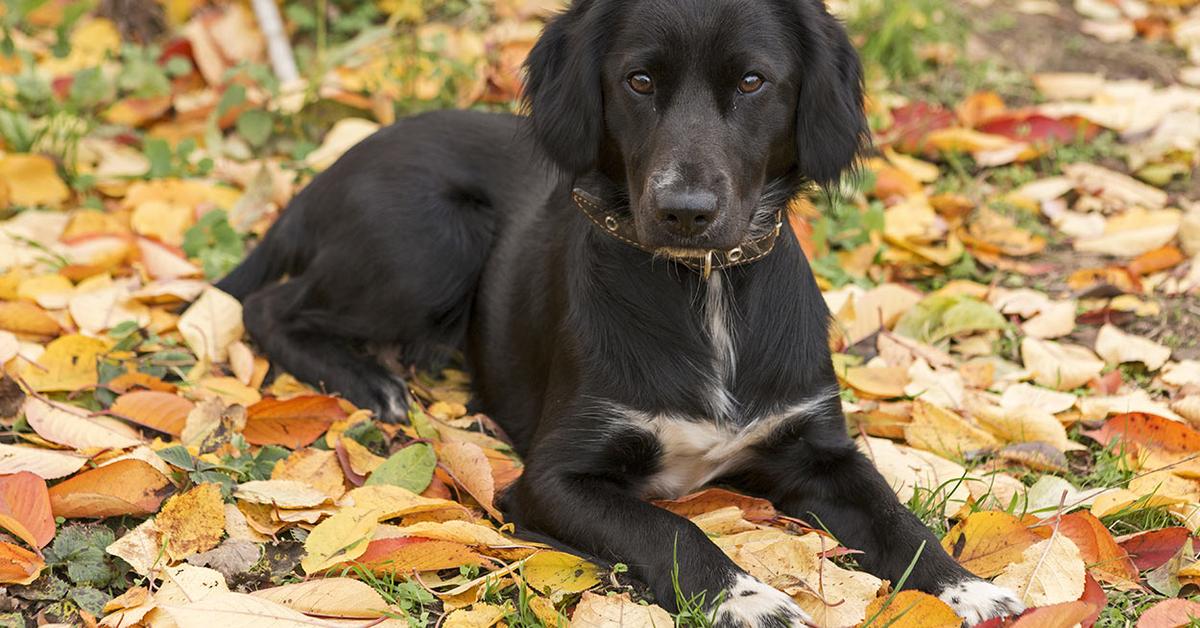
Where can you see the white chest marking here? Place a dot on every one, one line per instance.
(718, 309)
(698, 451)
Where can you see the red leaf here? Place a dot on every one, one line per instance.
(1139, 428)
(1108, 561)
(913, 122)
(1036, 128)
(18, 565)
(294, 423)
(1093, 594)
(1170, 614)
(1150, 550)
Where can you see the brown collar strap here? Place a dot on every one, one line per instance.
(621, 228)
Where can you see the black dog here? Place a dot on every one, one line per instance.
(638, 316)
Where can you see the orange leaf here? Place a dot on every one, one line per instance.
(403, 555)
(133, 380)
(1106, 560)
(1063, 615)
(708, 500)
(25, 508)
(913, 609)
(986, 542)
(160, 411)
(125, 487)
(469, 467)
(18, 565)
(294, 423)
(1157, 260)
(23, 317)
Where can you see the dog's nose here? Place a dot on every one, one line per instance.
(687, 214)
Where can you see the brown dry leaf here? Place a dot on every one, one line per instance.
(1054, 322)
(1106, 560)
(211, 324)
(986, 543)
(838, 597)
(1048, 572)
(192, 522)
(72, 426)
(469, 467)
(878, 382)
(1120, 189)
(913, 609)
(128, 487)
(45, 463)
(773, 556)
(328, 597)
(908, 470)
(141, 547)
(1118, 347)
(314, 467)
(1023, 424)
(879, 307)
(294, 423)
(239, 609)
(945, 433)
(618, 611)
(710, 499)
(1060, 366)
(69, 364)
(160, 411)
(281, 494)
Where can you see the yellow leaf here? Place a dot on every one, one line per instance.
(362, 461)
(280, 493)
(314, 467)
(1115, 500)
(1060, 366)
(49, 291)
(340, 538)
(882, 382)
(32, 180)
(69, 364)
(913, 609)
(985, 543)
(479, 615)
(557, 574)
(1049, 572)
(192, 522)
(943, 432)
(1023, 424)
(394, 501)
(345, 133)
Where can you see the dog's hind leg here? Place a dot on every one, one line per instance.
(812, 470)
(320, 357)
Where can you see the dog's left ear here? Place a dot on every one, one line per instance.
(831, 126)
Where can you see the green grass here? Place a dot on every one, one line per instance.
(417, 604)
(894, 32)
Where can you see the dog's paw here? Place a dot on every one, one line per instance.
(753, 604)
(979, 600)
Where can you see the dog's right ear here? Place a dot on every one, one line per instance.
(562, 88)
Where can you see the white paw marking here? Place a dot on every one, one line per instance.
(979, 600)
(753, 604)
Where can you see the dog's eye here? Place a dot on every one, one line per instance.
(750, 83)
(641, 83)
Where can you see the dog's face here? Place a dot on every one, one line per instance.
(697, 106)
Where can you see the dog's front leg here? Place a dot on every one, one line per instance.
(582, 492)
(814, 472)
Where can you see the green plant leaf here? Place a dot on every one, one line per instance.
(410, 468)
(255, 125)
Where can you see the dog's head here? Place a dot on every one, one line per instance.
(697, 106)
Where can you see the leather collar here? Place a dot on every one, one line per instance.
(620, 227)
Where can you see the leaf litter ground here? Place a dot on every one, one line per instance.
(1013, 281)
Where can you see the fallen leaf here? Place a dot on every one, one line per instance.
(71, 426)
(469, 467)
(1153, 548)
(945, 433)
(410, 468)
(1106, 560)
(160, 411)
(238, 609)
(1059, 366)
(619, 611)
(232, 558)
(414, 554)
(44, 463)
(211, 324)
(25, 508)
(280, 493)
(987, 543)
(912, 609)
(340, 538)
(710, 499)
(1118, 347)
(141, 547)
(293, 423)
(1048, 572)
(328, 597)
(32, 180)
(27, 319)
(69, 364)
(1170, 614)
(556, 574)
(19, 565)
(192, 522)
(128, 487)
(1064, 615)
(314, 467)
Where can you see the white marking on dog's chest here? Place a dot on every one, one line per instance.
(718, 309)
(695, 452)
